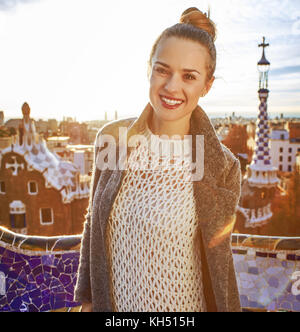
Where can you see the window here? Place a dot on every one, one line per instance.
(2, 187)
(289, 159)
(19, 221)
(281, 158)
(290, 150)
(280, 168)
(46, 216)
(32, 188)
(17, 214)
(290, 168)
(281, 150)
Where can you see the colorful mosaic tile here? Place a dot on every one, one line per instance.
(37, 283)
(35, 278)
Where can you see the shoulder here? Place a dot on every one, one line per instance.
(231, 161)
(112, 128)
(230, 157)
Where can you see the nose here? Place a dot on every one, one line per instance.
(173, 84)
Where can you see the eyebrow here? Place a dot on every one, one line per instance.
(185, 70)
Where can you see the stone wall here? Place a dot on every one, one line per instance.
(39, 273)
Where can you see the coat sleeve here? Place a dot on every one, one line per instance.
(233, 183)
(83, 285)
(225, 199)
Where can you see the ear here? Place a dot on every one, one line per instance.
(209, 84)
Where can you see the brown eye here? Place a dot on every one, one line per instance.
(189, 77)
(160, 70)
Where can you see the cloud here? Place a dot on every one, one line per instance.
(286, 70)
(11, 4)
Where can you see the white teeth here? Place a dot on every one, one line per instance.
(171, 102)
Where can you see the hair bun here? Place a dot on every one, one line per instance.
(196, 18)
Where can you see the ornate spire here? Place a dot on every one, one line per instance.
(27, 132)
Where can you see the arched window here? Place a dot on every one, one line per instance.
(18, 217)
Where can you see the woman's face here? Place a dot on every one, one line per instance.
(178, 78)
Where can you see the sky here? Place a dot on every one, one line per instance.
(82, 58)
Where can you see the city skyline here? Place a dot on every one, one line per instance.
(77, 62)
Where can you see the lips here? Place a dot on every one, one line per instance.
(170, 102)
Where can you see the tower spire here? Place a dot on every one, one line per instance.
(261, 182)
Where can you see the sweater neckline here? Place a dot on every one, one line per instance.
(165, 138)
(179, 148)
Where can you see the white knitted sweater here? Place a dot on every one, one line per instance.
(154, 265)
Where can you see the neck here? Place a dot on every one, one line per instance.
(160, 127)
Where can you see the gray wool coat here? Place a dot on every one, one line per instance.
(216, 196)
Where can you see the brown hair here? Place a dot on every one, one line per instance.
(196, 26)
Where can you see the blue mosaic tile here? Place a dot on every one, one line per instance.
(244, 301)
(272, 306)
(253, 270)
(286, 306)
(38, 283)
(291, 257)
(273, 282)
(296, 306)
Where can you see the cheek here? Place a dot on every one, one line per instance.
(196, 91)
(156, 83)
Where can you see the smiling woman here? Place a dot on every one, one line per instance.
(181, 67)
(156, 238)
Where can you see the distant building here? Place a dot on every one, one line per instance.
(52, 125)
(40, 194)
(58, 145)
(13, 123)
(294, 130)
(283, 150)
(82, 156)
(5, 142)
(41, 126)
(78, 132)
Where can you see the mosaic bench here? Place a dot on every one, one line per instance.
(39, 273)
